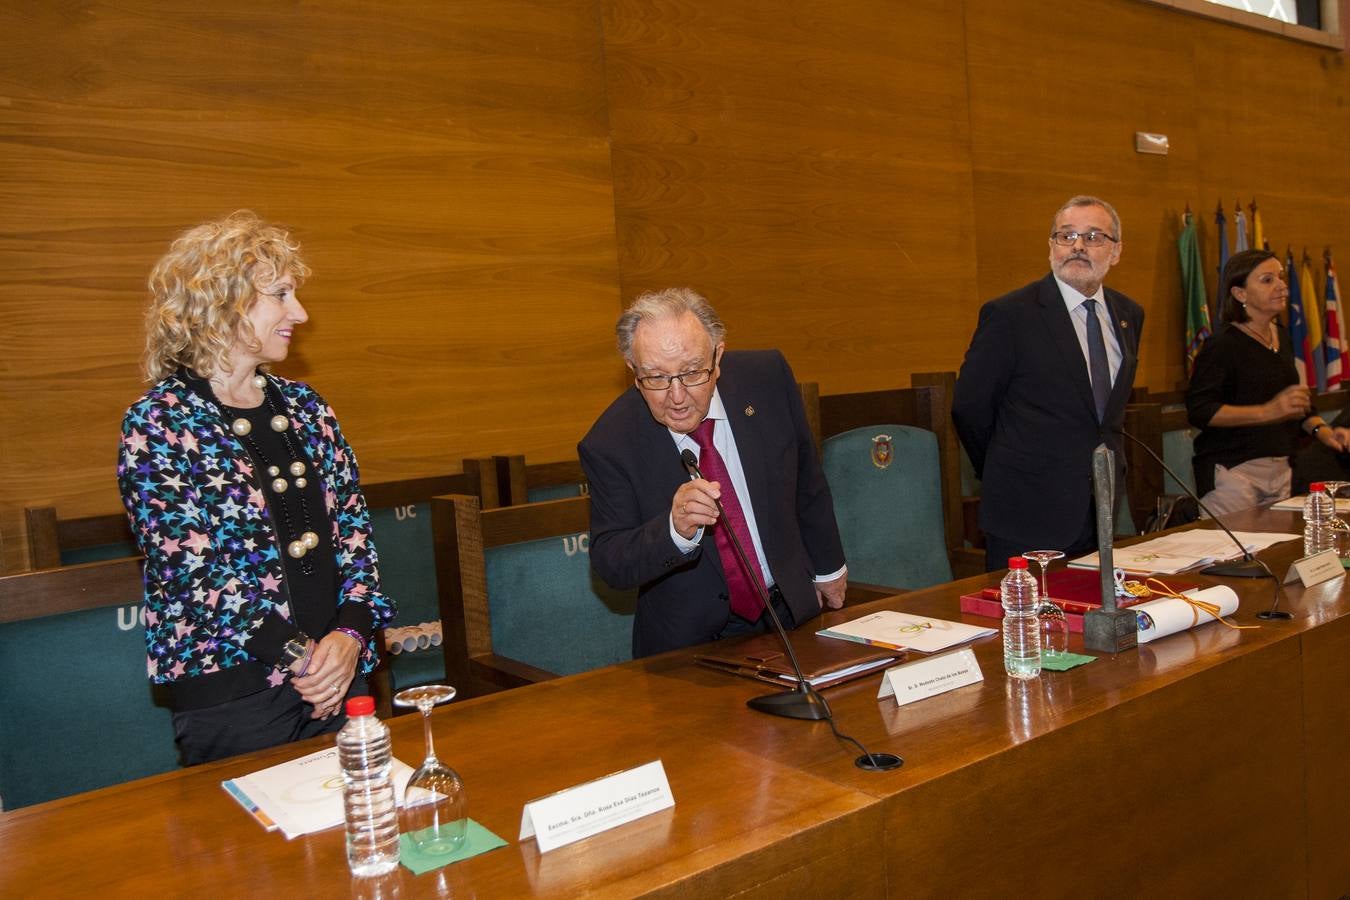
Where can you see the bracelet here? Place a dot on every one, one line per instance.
(353, 634)
(306, 659)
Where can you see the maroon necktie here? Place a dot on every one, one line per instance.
(741, 585)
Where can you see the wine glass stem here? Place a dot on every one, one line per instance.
(426, 726)
(1044, 563)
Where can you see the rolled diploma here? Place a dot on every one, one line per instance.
(1168, 615)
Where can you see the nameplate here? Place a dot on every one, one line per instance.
(931, 676)
(1316, 569)
(587, 809)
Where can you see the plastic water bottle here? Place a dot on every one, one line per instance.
(1021, 624)
(1318, 511)
(368, 790)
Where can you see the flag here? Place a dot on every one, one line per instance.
(1240, 226)
(1258, 231)
(1298, 328)
(1193, 292)
(1221, 223)
(1335, 344)
(1312, 314)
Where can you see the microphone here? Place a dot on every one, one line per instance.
(805, 701)
(1248, 567)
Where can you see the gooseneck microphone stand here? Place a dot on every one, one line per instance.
(805, 701)
(1247, 567)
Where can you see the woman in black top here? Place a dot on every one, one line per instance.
(1245, 394)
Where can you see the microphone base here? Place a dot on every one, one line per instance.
(878, 762)
(1238, 568)
(792, 705)
(1275, 615)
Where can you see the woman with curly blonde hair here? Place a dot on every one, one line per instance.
(262, 593)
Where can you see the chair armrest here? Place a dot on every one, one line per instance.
(491, 673)
(862, 592)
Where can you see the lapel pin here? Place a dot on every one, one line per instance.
(1124, 324)
(749, 410)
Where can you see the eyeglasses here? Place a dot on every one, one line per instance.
(1093, 238)
(692, 378)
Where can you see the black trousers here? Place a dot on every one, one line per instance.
(738, 625)
(253, 722)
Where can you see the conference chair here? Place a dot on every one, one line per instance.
(56, 542)
(890, 459)
(400, 514)
(77, 711)
(519, 602)
(520, 482)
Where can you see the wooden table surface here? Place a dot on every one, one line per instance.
(1204, 764)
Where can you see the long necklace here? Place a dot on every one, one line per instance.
(298, 547)
(1268, 343)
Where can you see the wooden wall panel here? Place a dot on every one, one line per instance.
(1055, 112)
(806, 167)
(447, 168)
(480, 185)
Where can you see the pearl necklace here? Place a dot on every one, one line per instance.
(298, 548)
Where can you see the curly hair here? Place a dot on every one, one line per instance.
(202, 288)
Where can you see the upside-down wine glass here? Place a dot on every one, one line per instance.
(1054, 627)
(1338, 524)
(435, 810)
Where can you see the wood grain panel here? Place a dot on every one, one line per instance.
(1053, 112)
(447, 169)
(795, 167)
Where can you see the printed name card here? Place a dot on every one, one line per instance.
(587, 809)
(930, 676)
(1316, 569)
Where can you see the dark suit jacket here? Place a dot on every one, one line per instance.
(634, 469)
(1024, 412)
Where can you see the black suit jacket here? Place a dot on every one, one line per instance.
(634, 469)
(1025, 413)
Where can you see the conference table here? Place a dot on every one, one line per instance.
(1208, 763)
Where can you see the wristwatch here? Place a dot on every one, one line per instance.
(294, 650)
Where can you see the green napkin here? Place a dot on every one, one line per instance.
(1058, 662)
(476, 840)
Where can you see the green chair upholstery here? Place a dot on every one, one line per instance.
(519, 603)
(550, 611)
(889, 504)
(77, 711)
(408, 574)
(1178, 452)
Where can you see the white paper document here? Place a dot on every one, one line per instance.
(1168, 615)
(902, 631)
(1183, 550)
(302, 795)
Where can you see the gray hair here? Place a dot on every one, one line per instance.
(1085, 200)
(670, 303)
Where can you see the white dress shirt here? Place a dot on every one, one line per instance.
(1073, 301)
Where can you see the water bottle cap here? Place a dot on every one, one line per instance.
(1017, 562)
(1317, 486)
(361, 706)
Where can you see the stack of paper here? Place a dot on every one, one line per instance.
(302, 795)
(1295, 504)
(901, 631)
(1183, 550)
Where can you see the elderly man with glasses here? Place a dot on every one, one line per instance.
(1046, 380)
(656, 527)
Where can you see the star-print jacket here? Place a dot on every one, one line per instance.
(213, 573)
